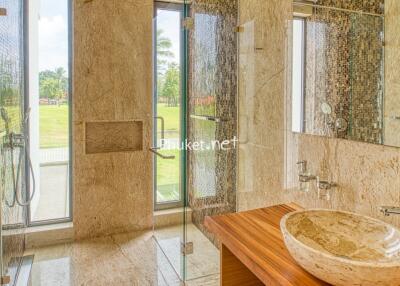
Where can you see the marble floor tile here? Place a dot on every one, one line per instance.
(204, 261)
(126, 259)
(210, 280)
(129, 259)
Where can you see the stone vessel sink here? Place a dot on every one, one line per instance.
(343, 248)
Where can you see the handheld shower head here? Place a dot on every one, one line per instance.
(6, 119)
(27, 115)
(4, 114)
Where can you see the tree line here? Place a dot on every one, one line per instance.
(168, 73)
(53, 84)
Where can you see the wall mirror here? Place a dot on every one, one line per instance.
(345, 80)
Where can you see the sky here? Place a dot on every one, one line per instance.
(53, 34)
(169, 22)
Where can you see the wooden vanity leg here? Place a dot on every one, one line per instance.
(234, 272)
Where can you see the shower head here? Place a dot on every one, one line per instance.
(4, 114)
(6, 119)
(27, 114)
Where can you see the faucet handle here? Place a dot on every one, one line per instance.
(387, 210)
(384, 210)
(302, 166)
(324, 189)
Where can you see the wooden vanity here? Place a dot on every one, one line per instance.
(253, 251)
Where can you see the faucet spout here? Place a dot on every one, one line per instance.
(387, 211)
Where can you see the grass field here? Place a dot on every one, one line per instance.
(168, 177)
(168, 170)
(53, 126)
(171, 118)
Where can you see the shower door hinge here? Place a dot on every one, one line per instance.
(239, 29)
(3, 12)
(4, 280)
(188, 23)
(187, 248)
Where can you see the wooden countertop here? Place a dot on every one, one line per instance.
(254, 237)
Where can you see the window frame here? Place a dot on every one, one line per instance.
(169, 6)
(69, 218)
(304, 72)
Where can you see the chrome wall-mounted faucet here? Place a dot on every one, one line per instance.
(304, 176)
(387, 211)
(324, 189)
(325, 185)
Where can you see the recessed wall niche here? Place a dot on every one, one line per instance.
(113, 136)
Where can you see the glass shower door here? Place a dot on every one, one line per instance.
(197, 178)
(211, 129)
(12, 163)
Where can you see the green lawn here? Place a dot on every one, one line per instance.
(53, 126)
(168, 170)
(171, 118)
(168, 176)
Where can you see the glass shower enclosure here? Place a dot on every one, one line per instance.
(12, 165)
(194, 130)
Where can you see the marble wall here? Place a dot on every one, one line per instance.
(112, 82)
(262, 81)
(392, 78)
(367, 175)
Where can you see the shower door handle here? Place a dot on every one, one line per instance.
(166, 157)
(162, 130)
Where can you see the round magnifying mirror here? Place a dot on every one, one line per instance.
(326, 108)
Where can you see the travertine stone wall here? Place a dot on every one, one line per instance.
(262, 78)
(112, 82)
(368, 175)
(392, 76)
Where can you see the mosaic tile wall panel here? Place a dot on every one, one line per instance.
(344, 68)
(212, 92)
(11, 100)
(370, 6)
(367, 78)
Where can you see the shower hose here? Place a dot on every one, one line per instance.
(16, 170)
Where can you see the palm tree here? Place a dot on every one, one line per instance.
(61, 78)
(163, 47)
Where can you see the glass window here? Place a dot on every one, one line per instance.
(49, 103)
(167, 106)
(298, 74)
